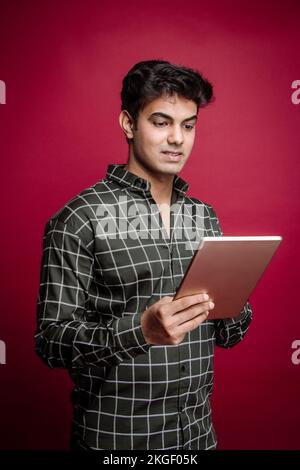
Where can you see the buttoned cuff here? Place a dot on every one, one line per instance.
(129, 337)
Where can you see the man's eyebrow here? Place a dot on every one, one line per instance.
(166, 116)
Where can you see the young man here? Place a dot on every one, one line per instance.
(141, 363)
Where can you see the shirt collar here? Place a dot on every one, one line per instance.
(124, 177)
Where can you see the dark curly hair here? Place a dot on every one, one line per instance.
(149, 79)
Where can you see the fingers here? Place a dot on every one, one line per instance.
(166, 300)
(191, 324)
(186, 302)
(166, 307)
(172, 323)
(190, 313)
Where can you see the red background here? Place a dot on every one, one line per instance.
(63, 62)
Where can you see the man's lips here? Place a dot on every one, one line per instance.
(172, 152)
(174, 156)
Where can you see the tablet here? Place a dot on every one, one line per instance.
(228, 269)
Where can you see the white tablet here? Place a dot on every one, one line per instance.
(228, 269)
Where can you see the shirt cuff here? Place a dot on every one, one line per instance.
(129, 336)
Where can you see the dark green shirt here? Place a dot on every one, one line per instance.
(102, 266)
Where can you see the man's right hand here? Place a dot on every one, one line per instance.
(168, 321)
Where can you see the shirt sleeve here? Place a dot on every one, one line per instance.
(230, 331)
(64, 338)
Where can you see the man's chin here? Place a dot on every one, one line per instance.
(171, 168)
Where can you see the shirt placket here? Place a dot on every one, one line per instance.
(183, 352)
(164, 240)
(183, 349)
(183, 389)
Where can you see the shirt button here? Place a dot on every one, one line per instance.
(183, 368)
(181, 409)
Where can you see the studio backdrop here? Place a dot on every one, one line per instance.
(61, 67)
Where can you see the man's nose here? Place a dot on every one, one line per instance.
(175, 135)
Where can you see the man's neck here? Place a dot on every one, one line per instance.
(161, 184)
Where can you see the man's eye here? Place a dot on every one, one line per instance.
(188, 127)
(160, 123)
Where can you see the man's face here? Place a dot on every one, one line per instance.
(165, 134)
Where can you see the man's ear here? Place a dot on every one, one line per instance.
(126, 123)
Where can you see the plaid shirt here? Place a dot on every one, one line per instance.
(93, 289)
